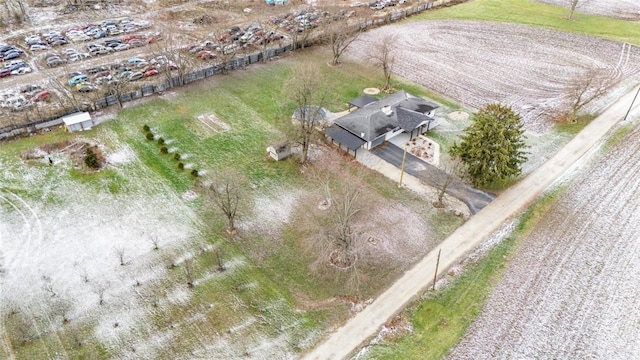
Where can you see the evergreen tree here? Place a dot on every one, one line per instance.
(492, 148)
(91, 159)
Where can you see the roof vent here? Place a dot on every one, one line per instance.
(362, 135)
(387, 110)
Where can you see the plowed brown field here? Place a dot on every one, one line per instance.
(528, 68)
(572, 290)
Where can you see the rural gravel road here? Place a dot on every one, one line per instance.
(344, 341)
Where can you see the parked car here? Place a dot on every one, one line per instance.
(151, 72)
(79, 56)
(78, 79)
(30, 88)
(136, 43)
(135, 61)
(85, 88)
(206, 55)
(4, 72)
(121, 47)
(53, 62)
(135, 76)
(11, 55)
(124, 75)
(21, 71)
(41, 96)
(38, 47)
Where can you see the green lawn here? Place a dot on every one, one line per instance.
(253, 103)
(533, 13)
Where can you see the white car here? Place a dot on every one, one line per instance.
(21, 71)
(78, 56)
(38, 47)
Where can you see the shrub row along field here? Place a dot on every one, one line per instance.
(132, 260)
(528, 68)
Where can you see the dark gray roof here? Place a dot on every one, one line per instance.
(310, 111)
(370, 122)
(362, 101)
(343, 137)
(408, 120)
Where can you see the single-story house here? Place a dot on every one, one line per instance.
(376, 121)
(77, 122)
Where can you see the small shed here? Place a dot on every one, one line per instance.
(279, 151)
(78, 121)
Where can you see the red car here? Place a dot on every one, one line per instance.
(4, 72)
(41, 96)
(151, 72)
(126, 38)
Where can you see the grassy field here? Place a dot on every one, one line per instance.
(256, 300)
(537, 14)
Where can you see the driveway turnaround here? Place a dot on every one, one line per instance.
(475, 199)
(347, 339)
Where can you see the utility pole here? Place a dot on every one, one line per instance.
(435, 276)
(404, 156)
(631, 106)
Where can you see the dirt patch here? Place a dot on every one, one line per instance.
(209, 125)
(527, 68)
(458, 116)
(76, 150)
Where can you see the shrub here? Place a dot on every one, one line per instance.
(164, 150)
(194, 173)
(160, 141)
(176, 156)
(180, 166)
(91, 159)
(146, 128)
(149, 135)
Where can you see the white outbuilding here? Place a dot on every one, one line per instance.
(78, 121)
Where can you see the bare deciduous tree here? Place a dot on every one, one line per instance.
(344, 204)
(585, 89)
(444, 181)
(310, 95)
(383, 56)
(572, 7)
(227, 193)
(339, 34)
(100, 290)
(188, 271)
(120, 254)
(117, 88)
(220, 263)
(66, 96)
(155, 241)
(171, 57)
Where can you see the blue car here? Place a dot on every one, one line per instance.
(78, 79)
(11, 55)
